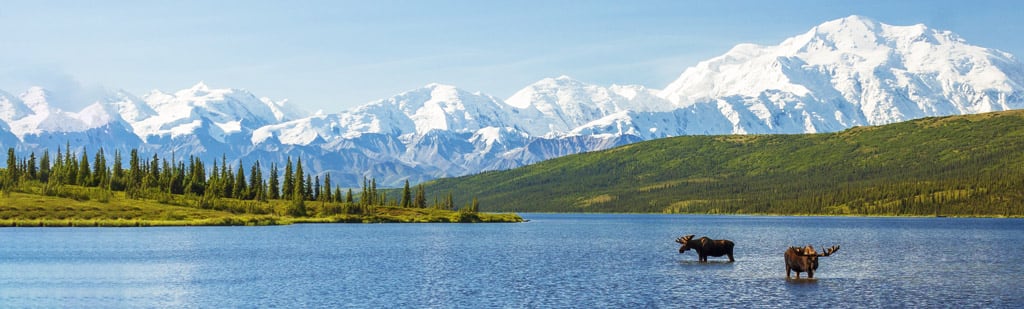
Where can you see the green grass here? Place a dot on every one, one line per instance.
(955, 166)
(81, 207)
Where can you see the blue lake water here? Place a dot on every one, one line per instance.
(555, 260)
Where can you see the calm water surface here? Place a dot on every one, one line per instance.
(552, 261)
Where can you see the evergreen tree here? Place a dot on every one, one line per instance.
(421, 197)
(308, 193)
(373, 193)
(239, 190)
(348, 196)
(99, 170)
(153, 177)
(288, 188)
(134, 181)
(327, 188)
(273, 189)
(166, 178)
(364, 196)
(300, 191)
(117, 172)
(70, 165)
(30, 167)
(84, 177)
(178, 179)
(406, 195)
(57, 172)
(227, 178)
(44, 166)
(337, 194)
(11, 173)
(317, 194)
(256, 190)
(214, 182)
(197, 176)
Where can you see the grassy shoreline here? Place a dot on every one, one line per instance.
(18, 209)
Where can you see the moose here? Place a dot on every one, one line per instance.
(805, 260)
(706, 247)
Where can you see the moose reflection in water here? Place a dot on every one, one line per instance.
(706, 247)
(805, 260)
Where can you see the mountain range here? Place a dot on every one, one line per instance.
(843, 73)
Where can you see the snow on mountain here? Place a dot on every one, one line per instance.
(555, 106)
(130, 107)
(229, 111)
(12, 108)
(418, 111)
(846, 72)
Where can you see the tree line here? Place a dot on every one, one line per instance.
(158, 178)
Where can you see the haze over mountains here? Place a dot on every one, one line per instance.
(843, 73)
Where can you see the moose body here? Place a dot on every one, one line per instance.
(804, 260)
(706, 247)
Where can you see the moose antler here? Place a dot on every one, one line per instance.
(684, 239)
(830, 250)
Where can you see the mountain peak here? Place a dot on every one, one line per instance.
(850, 22)
(441, 88)
(200, 86)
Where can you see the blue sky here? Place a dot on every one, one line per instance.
(336, 55)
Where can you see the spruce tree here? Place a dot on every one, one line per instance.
(176, 185)
(153, 178)
(227, 178)
(300, 191)
(308, 193)
(256, 190)
(99, 170)
(374, 199)
(70, 166)
(421, 197)
(239, 191)
(406, 195)
(288, 188)
(134, 181)
(84, 177)
(11, 173)
(117, 172)
(316, 189)
(327, 188)
(44, 166)
(273, 189)
(213, 183)
(30, 167)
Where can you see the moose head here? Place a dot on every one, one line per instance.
(685, 241)
(805, 259)
(706, 247)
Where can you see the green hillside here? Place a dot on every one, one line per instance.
(957, 166)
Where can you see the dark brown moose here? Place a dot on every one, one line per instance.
(805, 259)
(706, 247)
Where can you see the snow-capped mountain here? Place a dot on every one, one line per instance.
(847, 72)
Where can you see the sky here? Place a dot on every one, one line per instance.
(336, 55)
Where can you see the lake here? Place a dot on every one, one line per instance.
(555, 260)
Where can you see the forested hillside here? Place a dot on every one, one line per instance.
(958, 166)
